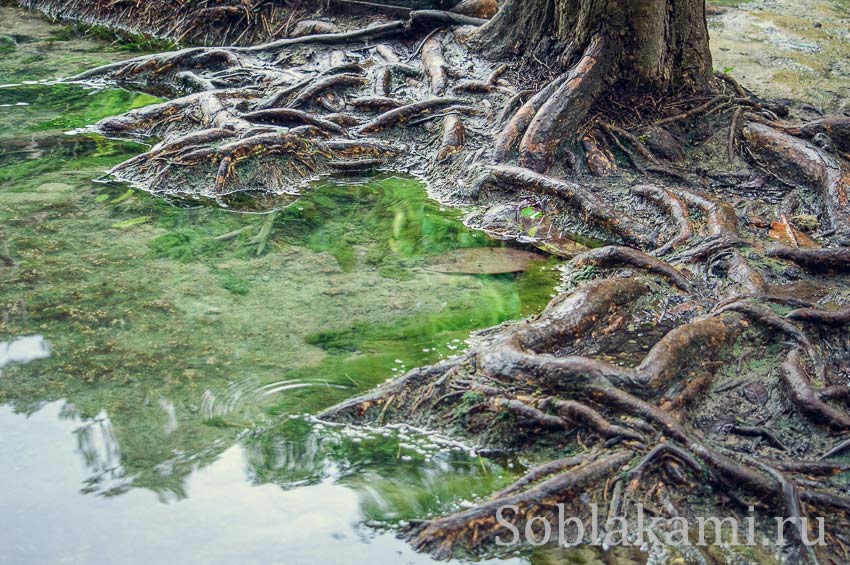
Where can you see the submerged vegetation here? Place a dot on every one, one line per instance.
(188, 329)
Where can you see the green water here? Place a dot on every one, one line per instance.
(188, 342)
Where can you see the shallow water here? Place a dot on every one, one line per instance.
(796, 49)
(186, 344)
(23, 350)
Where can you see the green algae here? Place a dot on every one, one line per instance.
(7, 45)
(118, 39)
(73, 106)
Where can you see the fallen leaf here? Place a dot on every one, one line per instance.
(782, 231)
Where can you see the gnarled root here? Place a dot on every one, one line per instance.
(795, 160)
(567, 108)
(615, 256)
(815, 260)
(705, 337)
(519, 122)
(804, 398)
(584, 202)
(678, 212)
(818, 316)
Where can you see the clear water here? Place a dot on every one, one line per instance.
(154, 411)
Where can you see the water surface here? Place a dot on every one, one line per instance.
(157, 359)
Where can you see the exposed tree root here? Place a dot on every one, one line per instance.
(613, 256)
(795, 160)
(543, 471)
(706, 336)
(405, 114)
(478, 527)
(586, 204)
(566, 109)
(816, 316)
(678, 212)
(453, 137)
(804, 397)
(518, 124)
(816, 260)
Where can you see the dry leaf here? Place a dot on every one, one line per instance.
(782, 230)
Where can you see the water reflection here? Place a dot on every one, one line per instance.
(23, 350)
(227, 519)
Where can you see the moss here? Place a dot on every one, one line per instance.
(584, 274)
(121, 40)
(469, 399)
(233, 284)
(7, 45)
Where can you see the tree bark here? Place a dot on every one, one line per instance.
(656, 45)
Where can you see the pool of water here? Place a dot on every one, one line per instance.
(159, 360)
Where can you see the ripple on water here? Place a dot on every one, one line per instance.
(248, 393)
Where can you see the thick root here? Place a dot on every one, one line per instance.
(567, 108)
(696, 344)
(615, 257)
(585, 203)
(453, 137)
(435, 65)
(804, 398)
(403, 115)
(520, 121)
(817, 316)
(479, 526)
(678, 212)
(815, 260)
(798, 161)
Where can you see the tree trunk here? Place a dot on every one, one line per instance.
(649, 45)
